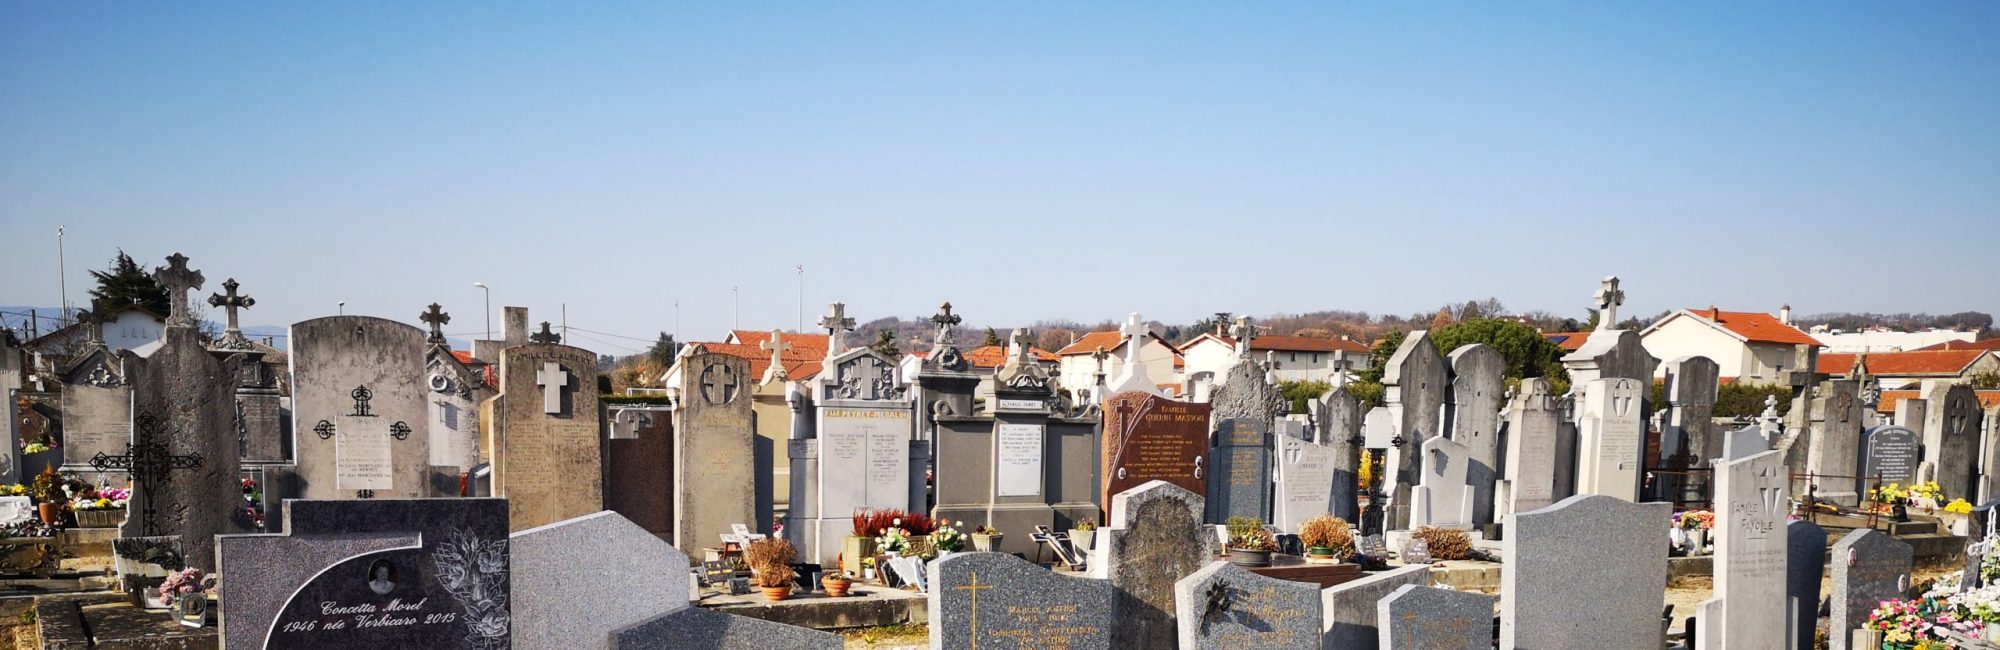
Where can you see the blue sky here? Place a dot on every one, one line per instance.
(1026, 161)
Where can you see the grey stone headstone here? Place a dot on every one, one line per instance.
(696, 627)
(1349, 608)
(579, 598)
(1868, 568)
(1610, 438)
(1617, 543)
(360, 409)
(1155, 538)
(639, 470)
(181, 396)
(97, 414)
(1428, 618)
(426, 573)
(1306, 479)
(1805, 560)
(1240, 485)
(1835, 453)
(865, 422)
(713, 422)
(1442, 497)
(1610, 354)
(1477, 391)
(993, 597)
(1955, 418)
(455, 393)
(1750, 554)
(548, 431)
(1743, 443)
(1340, 428)
(1227, 606)
(1415, 382)
(1691, 390)
(1531, 446)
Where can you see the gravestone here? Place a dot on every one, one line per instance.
(1742, 443)
(697, 627)
(456, 392)
(1149, 438)
(1340, 420)
(1750, 556)
(360, 409)
(1609, 438)
(1427, 618)
(1443, 499)
(1805, 561)
(1543, 604)
(185, 480)
(262, 435)
(1689, 436)
(865, 430)
(999, 600)
(1226, 606)
(1241, 485)
(547, 434)
(1306, 482)
(97, 413)
(10, 387)
(1911, 414)
(639, 468)
(713, 422)
(373, 573)
(1415, 382)
(1892, 453)
(1531, 446)
(1477, 390)
(1154, 539)
(1835, 453)
(576, 600)
(1868, 568)
(1351, 619)
(1610, 354)
(1954, 415)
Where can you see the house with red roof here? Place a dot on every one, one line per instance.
(1896, 370)
(1297, 358)
(772, 379)
(1748, 346)
(1078, 365)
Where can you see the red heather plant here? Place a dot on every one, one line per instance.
(918, 524)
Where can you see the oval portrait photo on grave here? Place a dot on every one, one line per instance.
(381, 576)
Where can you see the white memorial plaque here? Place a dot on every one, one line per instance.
(1020, 405)
(361, 455)
(873, 447)
(1017, 470)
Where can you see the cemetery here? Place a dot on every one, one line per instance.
(371, 485)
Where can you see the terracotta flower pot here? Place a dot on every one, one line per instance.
(777, 593)
(836, 587)
(49, 512)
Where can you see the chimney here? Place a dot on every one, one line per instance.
(1785, 314)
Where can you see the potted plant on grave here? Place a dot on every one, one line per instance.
(917, 528)
(770, 562)
(986, 539)
(946, 539)
(1696, 523)
(1327, 538)
(48, 495)
(1444, 543)
(837, 583)
(103, 509)
(860, 543)
(1250, 543)
(1082, 537)
(184, 588)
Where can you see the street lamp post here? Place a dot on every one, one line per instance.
(488, 291)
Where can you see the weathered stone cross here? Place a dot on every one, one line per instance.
(1023, 345)
(553, 379)
(178, 279)
(946, 324)
(1339, 368)
(1243, 332)
(718, 383)
(777, 346)
(150, 464)
(545, 336)
(436, 318)
(1608, 300)
(1133, 329)
(230, 302)
(837, 325)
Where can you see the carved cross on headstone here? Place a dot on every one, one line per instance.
(553, 379)
(972, 589)
(436, 318)
(1609, 297)
(777, 346)
(178, 280)
(150, 464)
(230, 302)
(718, 383)
(946, 324)
(545, 336)
(837, 325)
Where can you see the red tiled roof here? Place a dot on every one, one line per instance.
(1890, 398)
(1298, 344)
(1988, 344)
(994, 356)
(799, 341)
(1921, 362)
(799, 364)
(1757, 327)
(1089, 343)
(1569, 341)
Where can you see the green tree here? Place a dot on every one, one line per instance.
(664, 350)
(125, 284)
(1988, 380)
(1297, 393)
(1526, 351)
(992, 338)
(885, 344)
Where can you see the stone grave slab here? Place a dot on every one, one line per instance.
(1428, 618)
(1226, 606)
(548, 434)
(1350, 617)
(455, 393)
(1415, 381)
(714, 422)
(360, 409)
(1868, 568)
(97, 413)
(1340, 429)
(1477, 388)
(592, 576)
(1150, 438)
(1805, 559)
(1955, 416)
(1531, 446)
(695, 627)
(1241, 458)
(1442, 497)
(1893, 453)
(1742, 443)
(998, 600)
(1155, 538)
(1609, 438)
(639, 469)
(1544, 606)
(1750, 554)
(1306, 476)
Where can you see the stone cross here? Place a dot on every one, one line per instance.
(553, 379)
(1340, 366)
(1133, 329)
(718, 383)
(230, 301)
(1609, 297)
(1023, 344)
(545, 336)
(178, 280)
(1243, 331)
(837, 325)
(436, 318)
(93, 328)
(1099, 356)
(777, 346)
(972, 589)
(150, 463)
(946, 323)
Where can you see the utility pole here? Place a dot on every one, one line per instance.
(565, 321)
(736, 308)
(62, 275)
(801, 327)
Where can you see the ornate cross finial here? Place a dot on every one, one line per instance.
(777, 346)
(178, 280)
(545, 336)
(837, 325)
(436, 318)
(1021, 344)
(1609, 297)
(230, 301)
(947, 325)
(1100, 355)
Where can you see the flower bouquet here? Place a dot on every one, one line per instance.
(105, 509)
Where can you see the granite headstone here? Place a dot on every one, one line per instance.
(1428, 618)
(998, 600)
(1226, 606)
(1868, 567)
(1543, 604)
(1155, 538)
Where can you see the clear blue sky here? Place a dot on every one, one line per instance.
(1036, 160)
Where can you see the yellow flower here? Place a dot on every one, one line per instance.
(1958, 507)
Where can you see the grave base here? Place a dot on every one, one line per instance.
(110, 622)
(868, 606)
(1297, 569)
